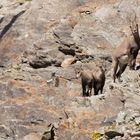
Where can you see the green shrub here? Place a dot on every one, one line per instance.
(112, 126)
(17, 67)
(95, 135)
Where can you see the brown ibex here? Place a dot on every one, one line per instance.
(126, 53)
(91, 79)
(98, 80)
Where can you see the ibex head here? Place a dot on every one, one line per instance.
(78, 71)
(135, 27)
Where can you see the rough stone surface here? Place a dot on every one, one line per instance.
(41, 44)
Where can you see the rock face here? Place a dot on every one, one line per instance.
(41, 44)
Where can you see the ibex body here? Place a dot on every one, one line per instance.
(126, 53)
(86, 81)
(99, 80)
(92, 79)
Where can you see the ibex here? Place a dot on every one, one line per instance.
(126, 53)
(91, 79)
(98, 80)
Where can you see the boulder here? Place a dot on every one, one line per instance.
(67, 62)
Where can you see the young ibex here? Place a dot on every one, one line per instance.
(98, 80)
(126, 53)
(91, 79)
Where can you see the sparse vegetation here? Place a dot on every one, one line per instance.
(110, 127)
(17, 67)
(96, 135)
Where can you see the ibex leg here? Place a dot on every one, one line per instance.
(115, 67)
(121, 70)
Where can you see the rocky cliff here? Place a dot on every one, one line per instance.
(43, 38)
